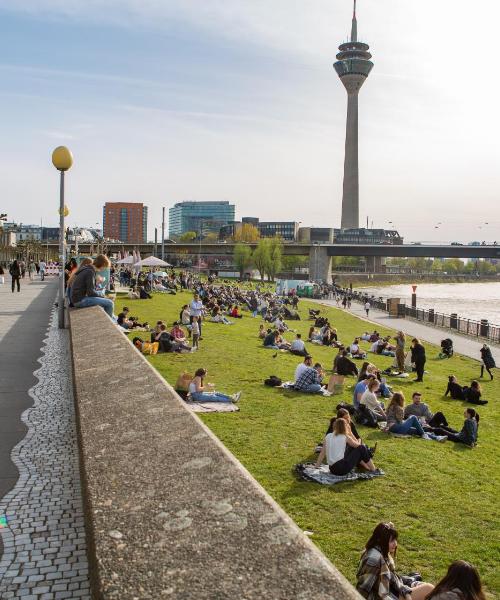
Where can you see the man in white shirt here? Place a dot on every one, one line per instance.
(303, 366)
(367, 308)
(298, 347)
(196, 310)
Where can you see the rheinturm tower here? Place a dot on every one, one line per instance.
(353, 67)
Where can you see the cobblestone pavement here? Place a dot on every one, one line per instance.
(44, 537)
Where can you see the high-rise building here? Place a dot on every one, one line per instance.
(125, 221)
(353, 67)
(200, 217)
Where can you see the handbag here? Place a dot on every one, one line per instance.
(336, 384)
(183, 381)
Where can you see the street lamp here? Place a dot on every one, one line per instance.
(62, 159)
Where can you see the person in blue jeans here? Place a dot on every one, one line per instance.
(199, 393)
(396, 423)
(83, 286)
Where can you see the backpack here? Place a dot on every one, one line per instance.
(273, 381)
(365, 416)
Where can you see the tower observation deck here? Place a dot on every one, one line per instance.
(353, 67)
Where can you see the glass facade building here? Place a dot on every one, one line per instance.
(200, 217)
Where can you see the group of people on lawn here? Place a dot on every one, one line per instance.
(342, 448)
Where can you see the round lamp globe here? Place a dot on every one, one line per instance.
(62, 159)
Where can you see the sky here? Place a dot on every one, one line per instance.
(162, 101)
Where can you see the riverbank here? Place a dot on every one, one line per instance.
(382, 280)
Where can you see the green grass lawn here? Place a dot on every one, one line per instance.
(443, 498)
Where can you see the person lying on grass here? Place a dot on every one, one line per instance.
(343, 452)
(396, 422)
(470, 393)
(376, 576)
(199, 392)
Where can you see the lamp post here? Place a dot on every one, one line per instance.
(62, 159)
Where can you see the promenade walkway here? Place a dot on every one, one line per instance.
(467, 346)
(43, 551)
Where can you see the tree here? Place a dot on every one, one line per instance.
(261, 257)
(242, 258)
(210, 237)
(189, 236)
(275, 257)
(246, 233)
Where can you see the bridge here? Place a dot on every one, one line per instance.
(320, 255)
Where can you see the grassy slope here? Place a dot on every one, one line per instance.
(443, 498)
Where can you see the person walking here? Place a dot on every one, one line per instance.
(488, 360)
(31, 270)
(15, 273)
(367, 308)
(418, 358)
(42, 267)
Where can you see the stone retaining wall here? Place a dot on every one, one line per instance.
(170, 512)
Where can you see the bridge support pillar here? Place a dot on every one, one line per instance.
(375, 264)
(320, 264)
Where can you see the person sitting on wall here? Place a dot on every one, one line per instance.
(83, 288)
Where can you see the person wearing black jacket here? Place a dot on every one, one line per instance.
(345, 366)
(418, 358)
(455, 390)
(486, 357)
(15, 272)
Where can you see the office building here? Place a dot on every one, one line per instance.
(286, 230)
(353, 67)
(200, 217)
(125, 221)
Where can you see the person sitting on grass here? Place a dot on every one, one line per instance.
(178, 333)
(262, 331)
(422, 411)
(133, 294)
(376, 575)
(314, 336)
(468, 434)
(235, 313)
(123, 320)
(356, 351)
(369, 399)
(473, 393)
(298, 348)
(343, 452)
(301, 367)
(201, 393)
(360, 388)
(455, 390)
(343, 365)
(218, 317)
(461, 582)
(396, 422)
(310, 380)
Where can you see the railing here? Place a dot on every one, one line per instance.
(471, 327)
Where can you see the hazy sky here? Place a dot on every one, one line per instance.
(170, 100)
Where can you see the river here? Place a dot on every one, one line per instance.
(470, 300)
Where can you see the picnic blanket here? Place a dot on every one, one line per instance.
(206, 407)
(322, 475)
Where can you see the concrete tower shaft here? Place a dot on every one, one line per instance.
(353, 67)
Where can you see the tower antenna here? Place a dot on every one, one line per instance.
(354, 28)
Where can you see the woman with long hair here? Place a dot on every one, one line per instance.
(468, 434)
(199, 392)
(344, 452)
(376, 576)
(488, 362)
(396, 422)
(461, 582)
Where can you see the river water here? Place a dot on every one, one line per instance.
(470, 300)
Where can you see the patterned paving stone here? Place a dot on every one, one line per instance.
(44, 539)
